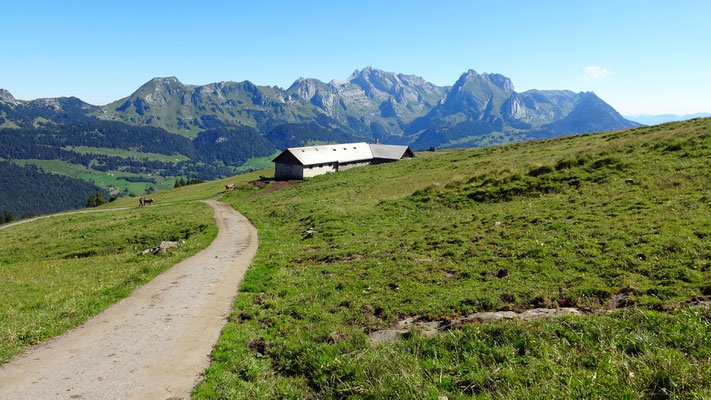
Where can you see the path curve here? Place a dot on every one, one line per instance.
(154, 344)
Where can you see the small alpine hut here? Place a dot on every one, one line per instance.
(304, 162)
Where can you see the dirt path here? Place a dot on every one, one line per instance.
(154, 344)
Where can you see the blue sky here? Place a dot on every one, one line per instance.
(639, 56)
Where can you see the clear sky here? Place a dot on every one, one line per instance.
(639, 56)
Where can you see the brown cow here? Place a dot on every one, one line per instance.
(230, 186)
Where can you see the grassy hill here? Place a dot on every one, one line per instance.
(57, 272)
(540, 224)
(556, 223)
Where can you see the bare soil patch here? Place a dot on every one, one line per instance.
(430, 328)
(272, 187)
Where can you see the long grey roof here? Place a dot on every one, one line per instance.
(344, 153)
(387, 151)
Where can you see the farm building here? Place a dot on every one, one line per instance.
(304, 162)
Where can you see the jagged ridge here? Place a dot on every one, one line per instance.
(369, 103)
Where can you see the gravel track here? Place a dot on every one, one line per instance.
(154, 344)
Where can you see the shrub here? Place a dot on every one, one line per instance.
(95, 199)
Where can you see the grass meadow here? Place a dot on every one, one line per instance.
(617, 224)
(57, 272)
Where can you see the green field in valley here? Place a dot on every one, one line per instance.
(112, 179)
(127, 153)
(617, 224)
(104, 180)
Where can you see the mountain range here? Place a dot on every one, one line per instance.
(166, 130)
(478, 109)
(647, 119)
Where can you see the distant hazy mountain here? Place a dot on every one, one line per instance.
(647, 119)
(478, 109)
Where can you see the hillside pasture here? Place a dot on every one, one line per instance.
(615, 224)
(57, 272)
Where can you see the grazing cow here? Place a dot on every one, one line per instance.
(147, 201)
(230, 186)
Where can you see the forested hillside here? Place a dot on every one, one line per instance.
(28, 191)
(125, 159)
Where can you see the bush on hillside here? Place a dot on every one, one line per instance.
(95, 199)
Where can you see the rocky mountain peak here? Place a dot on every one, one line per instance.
(297, 82)
(7, 97)
(165, 80)
(160, 84)
(470, 74)
(307, 88)
(368, 70)
(366, 74)
(376, 83)
(161, 89)
(500, 81)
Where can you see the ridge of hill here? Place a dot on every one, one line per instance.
(648, 119)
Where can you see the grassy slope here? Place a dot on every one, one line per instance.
(57, 272)
(453, 232)
(258, 163)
